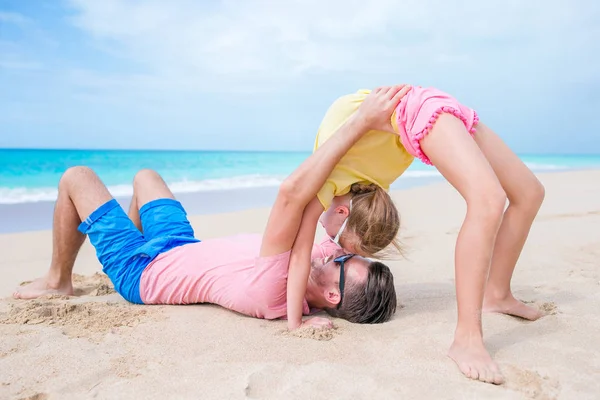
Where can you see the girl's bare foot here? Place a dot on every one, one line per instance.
(43, 286)
(511, 306)
(474, 361)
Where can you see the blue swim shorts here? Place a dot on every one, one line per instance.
(124, 251)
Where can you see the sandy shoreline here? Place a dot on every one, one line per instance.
(98, 346)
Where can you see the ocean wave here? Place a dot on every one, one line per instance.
(544, 167)
(32, 195)
(420, 174)
(536, 167)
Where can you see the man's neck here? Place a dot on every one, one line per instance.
(314, 296)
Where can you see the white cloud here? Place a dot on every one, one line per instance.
(171, 66)
(272, 40)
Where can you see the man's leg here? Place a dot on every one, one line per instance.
(160, 215)
(80, 192)
(134, 212)
(147, 186)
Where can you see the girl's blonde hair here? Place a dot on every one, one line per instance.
(374, 219)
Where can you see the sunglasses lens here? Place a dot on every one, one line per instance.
(343, 258)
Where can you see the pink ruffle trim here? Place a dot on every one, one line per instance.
(416, 139)
(475, 122)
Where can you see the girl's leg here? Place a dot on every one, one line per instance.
(525, 194)
(458, 158)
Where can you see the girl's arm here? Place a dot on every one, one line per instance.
(302, 186)
(300, 259)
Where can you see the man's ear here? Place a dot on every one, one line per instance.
(332, 296)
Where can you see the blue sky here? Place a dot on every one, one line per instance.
(186, 74)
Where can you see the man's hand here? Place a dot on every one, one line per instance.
(318, 323)
(377, 108)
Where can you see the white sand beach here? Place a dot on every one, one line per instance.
(96, 345)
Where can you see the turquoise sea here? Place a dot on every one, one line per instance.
(32, 175)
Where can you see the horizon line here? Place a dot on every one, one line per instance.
(150, 150)
(234, 151)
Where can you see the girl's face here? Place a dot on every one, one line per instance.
(334, 222)
(333, 219)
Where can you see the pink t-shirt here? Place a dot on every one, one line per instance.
(225, 271)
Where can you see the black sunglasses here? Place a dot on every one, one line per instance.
(341, 260)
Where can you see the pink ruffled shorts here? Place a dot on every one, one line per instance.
(418, 111)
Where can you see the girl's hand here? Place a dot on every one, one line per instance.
(318, 323)
(377, 108)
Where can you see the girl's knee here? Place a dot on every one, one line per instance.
(488, 204)
(532, 197)
(537, 193)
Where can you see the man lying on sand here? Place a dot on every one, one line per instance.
(152, 256)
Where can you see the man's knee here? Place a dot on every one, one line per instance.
(145, 175)
(148, 181)
(76, 174)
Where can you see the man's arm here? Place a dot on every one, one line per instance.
(304, 183)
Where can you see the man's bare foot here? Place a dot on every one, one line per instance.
(474, 361)
(42, 287)
(512, 306)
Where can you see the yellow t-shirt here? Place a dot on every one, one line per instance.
(378, 157)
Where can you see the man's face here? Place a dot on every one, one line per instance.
(325, 273)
